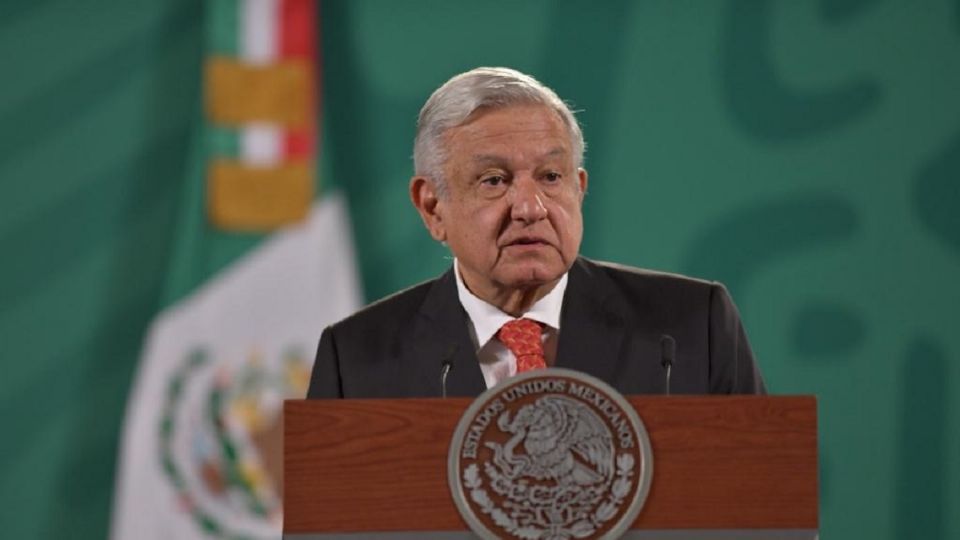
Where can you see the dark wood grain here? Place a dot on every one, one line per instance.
(719, 462)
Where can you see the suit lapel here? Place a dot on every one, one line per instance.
(440, 334)
(593, 323)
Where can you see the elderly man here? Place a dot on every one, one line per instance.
(498, 179)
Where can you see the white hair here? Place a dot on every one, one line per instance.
(484, 87)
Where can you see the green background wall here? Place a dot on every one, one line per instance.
(805, 153)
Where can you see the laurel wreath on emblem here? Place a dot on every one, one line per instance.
(569, 453)
(227, 450)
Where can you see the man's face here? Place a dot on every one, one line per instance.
(512, 211)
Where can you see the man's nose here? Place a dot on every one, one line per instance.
(527, 200)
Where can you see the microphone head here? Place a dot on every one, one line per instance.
(668, 348)
(447, 363)
(448, 357)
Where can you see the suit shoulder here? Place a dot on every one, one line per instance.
(403, 303)
(641, 277)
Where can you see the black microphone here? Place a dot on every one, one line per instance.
(667, 349)
(445, 366)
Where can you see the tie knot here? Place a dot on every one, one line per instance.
(522, 337)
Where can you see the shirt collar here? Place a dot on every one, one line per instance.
(487, 318)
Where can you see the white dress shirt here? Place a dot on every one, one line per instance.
(496, 361)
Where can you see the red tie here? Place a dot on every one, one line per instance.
(522, 337)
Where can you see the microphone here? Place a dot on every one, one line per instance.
(667, 349)
(445, 366)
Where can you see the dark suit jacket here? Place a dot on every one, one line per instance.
(611, 323)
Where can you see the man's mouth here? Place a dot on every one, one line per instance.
(527, 241)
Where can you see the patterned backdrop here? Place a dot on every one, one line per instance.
(807, 154)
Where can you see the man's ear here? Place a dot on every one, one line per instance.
(423, 194)
(582, 180)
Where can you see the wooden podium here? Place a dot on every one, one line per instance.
(723, 467)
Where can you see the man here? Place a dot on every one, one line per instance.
(498, 179)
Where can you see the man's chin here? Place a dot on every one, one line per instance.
(527, 276)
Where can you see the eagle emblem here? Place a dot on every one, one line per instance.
(561, 439)
(551, 455)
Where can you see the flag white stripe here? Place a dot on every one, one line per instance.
(259, 31)
(261, 144)
(277, 297)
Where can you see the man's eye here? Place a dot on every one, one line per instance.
(492, 180)
(553, 176)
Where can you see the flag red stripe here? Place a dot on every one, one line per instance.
(297, 23)
(298, 39)
(298, 144)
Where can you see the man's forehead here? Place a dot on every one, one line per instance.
(494, 157)
(515, 120)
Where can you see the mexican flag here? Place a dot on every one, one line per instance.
(201, 451)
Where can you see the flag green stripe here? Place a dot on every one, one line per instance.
(223, 25)
(222, 141)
